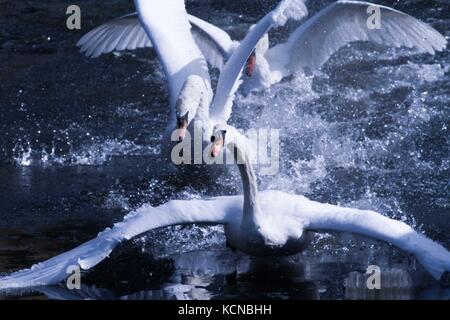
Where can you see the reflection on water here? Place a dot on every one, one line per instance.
(222, 274)
(395, 284)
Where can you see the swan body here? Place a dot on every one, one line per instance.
(274, 234)
(308, 47)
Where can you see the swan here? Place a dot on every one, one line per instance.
(185, 68)
(314, 42)
(163, 23)
(177, 46)
(268, 223)
(307, 49)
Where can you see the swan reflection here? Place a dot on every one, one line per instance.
(222, 274)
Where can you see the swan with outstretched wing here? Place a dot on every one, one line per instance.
(307, 48)
(269, 223)
(183, 44)
(315, 41)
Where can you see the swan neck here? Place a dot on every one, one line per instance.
(251, 200)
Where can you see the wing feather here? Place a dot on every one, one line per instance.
(343, 22)
(216, 211)
(215, 44)
(325, 217)
(127, 33)
(119, 34)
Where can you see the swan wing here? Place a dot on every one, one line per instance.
(325, 217)
(162, 25)
(123, 33)
(127, 33)
(343, 22)
(178, 212)
(229, 80)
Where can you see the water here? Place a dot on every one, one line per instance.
(81, 142)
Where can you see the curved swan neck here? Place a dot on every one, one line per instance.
(251, 200)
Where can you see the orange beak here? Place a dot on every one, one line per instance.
(216, 148)
(182, 128)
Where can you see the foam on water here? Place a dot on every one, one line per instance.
(95, 154)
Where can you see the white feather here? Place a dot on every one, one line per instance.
(96, 250)
(229, 80)
(127, 33)
(343, 22)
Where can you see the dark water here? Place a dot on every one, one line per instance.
(80, 147)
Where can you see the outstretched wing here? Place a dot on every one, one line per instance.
(343, 22)
(229, 80)
(215, 44)
(325, 217)
(124, 33)
(127, 33)
(214, 211)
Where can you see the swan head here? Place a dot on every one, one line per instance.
(260, 50)
(224, 135)
(218, 139)
(182, 124)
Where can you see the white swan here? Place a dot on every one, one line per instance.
(343, 22)
(316, 40)
(269, 223)
(185, 68)
(164, 26)
(307, 48)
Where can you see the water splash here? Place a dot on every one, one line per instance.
(94, 154)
